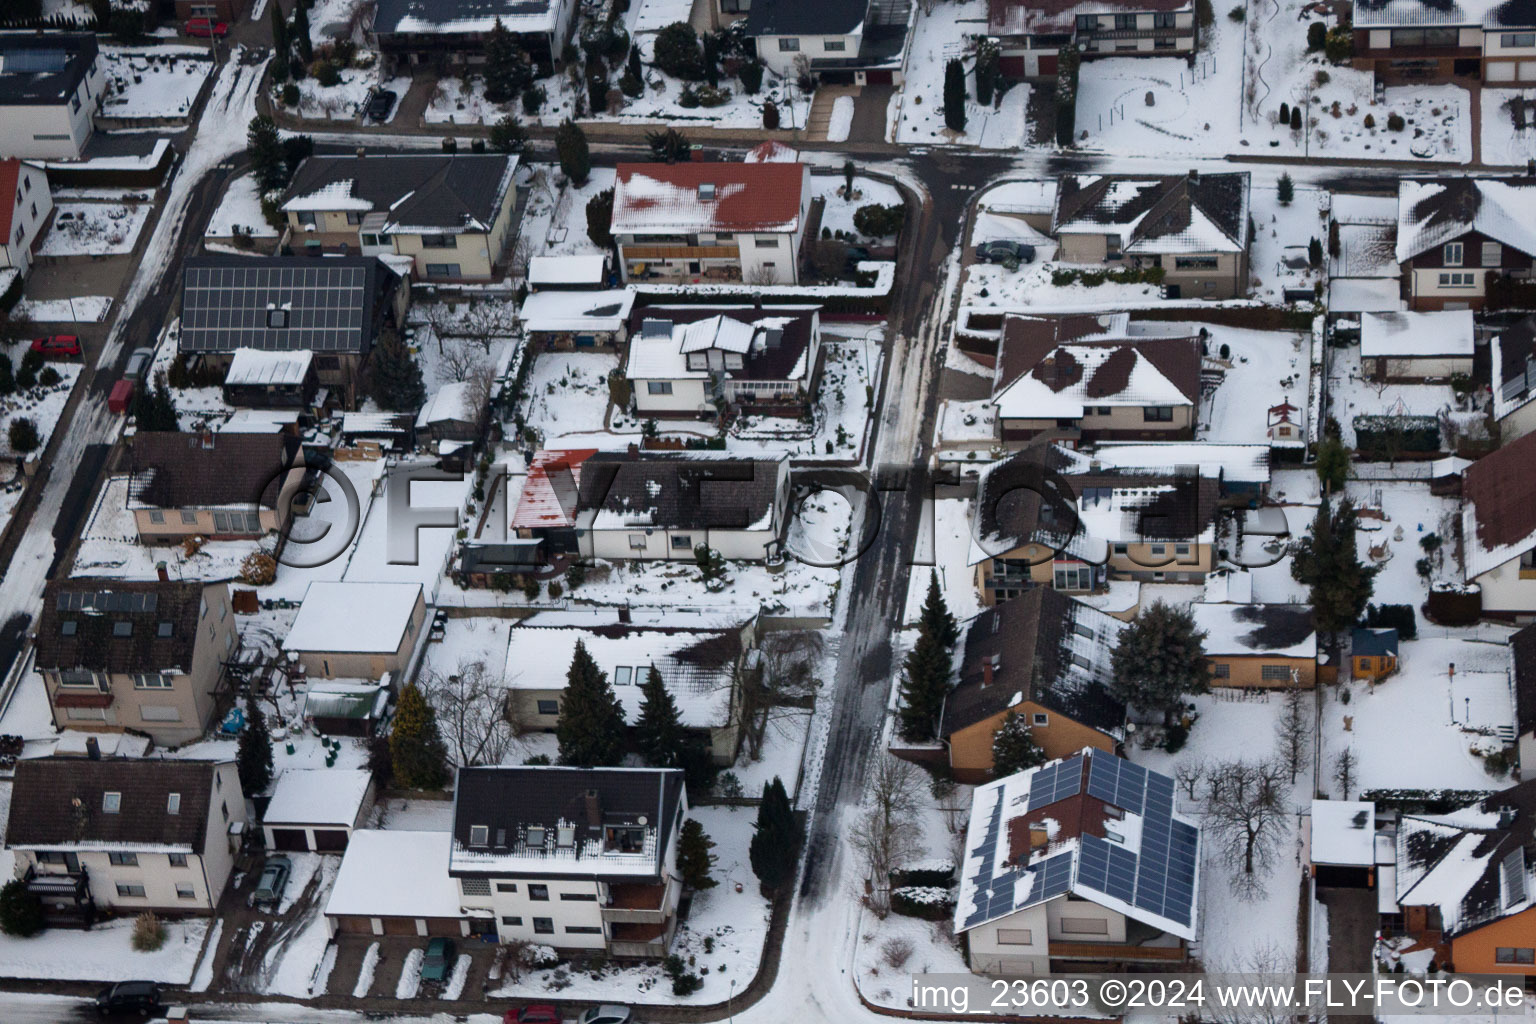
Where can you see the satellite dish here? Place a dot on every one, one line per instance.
(642, 819)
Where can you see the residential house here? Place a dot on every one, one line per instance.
(1465, 886)
(1522, 670)
(454, 413)
(581, 859)
(267, 380)
(124, 835)
(1413, 40)
(702, 656)
(1047, 518)
(1241, 471)
(416, 34)
(213, 485)
(1041, 655)
(663, 505)
(357, 630)
(1195, 227)
(396, 882)
(24, 218)
(1514, 379)
(1498, 526)
(711, 222)
(1339, 840)
(1258, 646)
(587, 272)
(146, 656)
(1433, 345)
(1080, 864)
(317, 809)
(569, 320)
(1081, 379)
(1372, 653)
(51, 86)
(702, 360)
(1455, 235)
(338, 308)
(454, 216)
(540, 523)
(842, 42)
(1033, 33)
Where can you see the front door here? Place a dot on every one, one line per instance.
(1171, 290)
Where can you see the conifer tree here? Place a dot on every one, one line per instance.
(1014, 748)
(1159, 659)
(936, 617)
(575, 157)
(775, 839)
(506, 71)
(416, 748)
(264, 148)
(279, 64)
(1285, 191)
(928, 667)
(253, 757)
(591, 725)
(394, 378)
(301, 39)
(659, 734)
(693, 857)
(954, 96)
(1327, 562)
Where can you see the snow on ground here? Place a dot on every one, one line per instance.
(204, 976)
(94, 229)
(784, 737)
(109, 546)
(943, 547)
(1266, 367)
(153, 81)
(105, 953)
(410, 974)
(838, 214)
(1350, 394)
(567, 400)
(295, 965)
(1278, 259)
(1501, 142)
(819, 532)
(80, 309)
(555, 217)
(852, 362)
(345, 100)
(842, 119)
(918, 115)
(332, 19)
(1408, 513)
(994, 286)
(413, 815)
(455, 987)
(240, 207)
(43, 405)
(365, 973)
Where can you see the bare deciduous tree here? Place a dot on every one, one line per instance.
(887, 833)
(471, 713)
(460, 361)
(1189, 774)
(1246, 820)
(1263, 959)
(791, 659)
(1344, 773)
(1293, 729)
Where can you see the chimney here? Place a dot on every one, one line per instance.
(1194, 176)
(360, 151)
(1530, 168)
(634, 449)
(624, 615)
(207, 438)
(162, 573)
(92, 748)
(594, 809)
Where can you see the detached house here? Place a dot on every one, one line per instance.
(1043, 656)
(425, 33)
(51, 86)
(1456, 234)
(700, 360)
(1498, 525)
(1081, 864)
(1033, 33)
(581, 859)
(711, 222)
(1258, 645)
(146, 656)
(1410, 40)
(663, 505)
(852, 42)
(1195, 227)
(25, 208)
(1514, 380)
(453, 216)
(124, 835)
(214, 485)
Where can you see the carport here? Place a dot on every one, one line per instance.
(316, 809)
(396, 883)
(1341, 843)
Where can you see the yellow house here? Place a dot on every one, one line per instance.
(1258, 645)
(1373, 653)
(1043, 656)
(212, 485)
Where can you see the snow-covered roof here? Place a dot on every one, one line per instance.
(1036, 196)
(654, 199)
(450, 403)
(554, 311)
(1412, 335)
(1355, 208)
(318, 796)
(395, 874)
(771, 152)
(257, 367)
(1178, 214)
(1395, 13)
(353, 618)
(1233, 586)
(1234, 463)
(465, 17)
(1499, 515)
(1364, 294)
(772, 341)
(373, 423)
(1514, 367)
(1036, 394)
(1433, 211)
(257, 421)
(1273, 630)
(1343, 832)
(333, 195)
(557, 270)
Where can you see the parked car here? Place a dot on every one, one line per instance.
(536, 1013)
(129, 997)
(58, 346)
(273, 880)
(438, 961)
(121, 397)
(205, 28)
(138, 364)
(608, 1013)
(1004, 251)
(381, 104)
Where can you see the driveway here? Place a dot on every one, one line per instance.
(1351, 936)
(869, 109)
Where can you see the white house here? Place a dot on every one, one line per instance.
(581, 859)
(711, 222)
(51, 85)
(662, 505)
(124, 834)
(25, 206)
(317, 808)
(1456, 234)
(1514, 380)
(1499, 529)
(1429, 345)
(1082, 859)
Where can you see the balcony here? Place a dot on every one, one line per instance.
(640, 940)
(1116, 952)
(643, 905)
(682, 252)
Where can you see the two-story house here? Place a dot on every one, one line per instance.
(856, 42)
(1456, 234)
(1077, 864)
(454, 216)
(1498, 527)
(338, 308)
(581, 859)
(663, 505)
(711, 222)
(1033, 34)
(429, 33)
(1413, 40)
(124, 834)
(51, 86)
(1195, 227)
(146, 656)
(1041, 655)
(1514, 379)
(215, 485)
(25, 208)
(693, 360)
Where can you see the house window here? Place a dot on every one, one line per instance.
(1084, 926)
(1457, 280)
(188, 518)
(1493, 254)
(535, 841)
(111, 803)
(1121, 549)
(766, 243)
(157, 516)
(1163, 43)
(152, 681)
(789, 44)
(123, 860)
(224, 810)
(1041, 719)
(834, 45)
(77, 677)
(1517, 40)
(506, 887)
(437, 241)
(1181, 549)
(130, 892)
(1221, 670)
(354, 217)
(1015, 937)
(543, 926)
(443, 270)
(1087, 22)
(479, 835)
(579, 897)
(1452, 254)
(307, 218)
(549, 707)
(658, 387)
(682, 542)
(1125, 22)
(512, 922)
(583, 929)
(1159, 549)
(123, 627)
(637, 542)
(173, 804)
(178, 860)
(370, 240)
(1157, 414)
(538, 892)
(1275, 673)
(1074, 577)
(236, 522)
(1514, 955)
(1165, 19)
(1194, 263)
(623, 675)
(185, 891)
(475, 886)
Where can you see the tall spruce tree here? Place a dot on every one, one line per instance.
(936, 616)
(301, 39)
(775, 844)
(1327, 562)
(590, 729)
(253, 755)
(279, 66)
(693, 857)
(264, 148)
(416, 748)
(503, 65)
(575, 157)
(1014, 748)
(954, 96)
(659, 734)
(394, 379)
(1159, 659)
(7, 375)
(927, 668)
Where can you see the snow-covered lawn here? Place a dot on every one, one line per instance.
(567, 399)
(1279, 259)
(917, 117)
(109, 546)
(240, 208)
(1501, 142)
(1408, 513)
(819, 533)
(838, 214)
(944, 548)
(555, 218)
(1263, 369)
(299, 964)
(333, 19)
(81, 309)
(784, 736)
(1351, 394)
(852, 362)
(154, 81)
(994, 286)
(94, 229)
(42, 405)
(105, 953)
(345, 100)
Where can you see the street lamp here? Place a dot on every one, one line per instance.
(729, 1011)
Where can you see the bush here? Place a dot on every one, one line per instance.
(1392, 616)
(709, 96)
(1175, 739)
(954, 95)
(1238, 14)
(533, 99)
(1340, 45)
(770, 116)
(1370, 121)
(676, 52)
(148, 933)
(1066, 94)
(879, 221)
(1205, 14)
(631, 85)
(508, 134)
(21, 913)
(751, 75)
(23, 436)
(290, 95)
(927, 902)
(924, 877)
(325, 73)
(49, 377)
(258, 569)
(1317, 36)
(1395, 122)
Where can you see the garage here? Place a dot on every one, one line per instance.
(354, 925)
(316, 809)
(399, 926)
(1340, 840)
(399, 879)
(331, 840)
(289, 839)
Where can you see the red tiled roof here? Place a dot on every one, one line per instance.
(747, 197)
(548, 498)
(10, 174)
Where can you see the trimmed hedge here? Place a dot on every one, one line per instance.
(1392, 616)
(1418, 801)
(926, 902)
(1067, 62)
(1454, 607)
(1418, 433)
(923, 878)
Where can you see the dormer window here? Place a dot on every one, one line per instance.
(626, 839)
(173, 803)
(122, 628)
(68, 627)
(536, 838)
(501, 839)
(479, 835)
(565, 836)
(163, 629)
(707, 191)
(111, 803)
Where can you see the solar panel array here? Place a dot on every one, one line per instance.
(1160, 877)
(1513, 869)
(1053, 876)
(1055, 782)
(994, 894)
(106, 601)
(25, 61)
(1118, 782)
(228, 307)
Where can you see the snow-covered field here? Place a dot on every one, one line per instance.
(95, 229)
(555, 218)
(916, 116)
(345, 100)
(43, 405)
(1263, 369)
(240, 207)
(567, 400)
(1500, 141)
(154, 81)
(838, 214)
(1351, 394)
(104, 953)
(1279, 258)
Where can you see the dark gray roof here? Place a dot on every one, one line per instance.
(171, 470)
(679, 491)
(281, 303)
(43, 67)
(82, 625)
(1370, 643)
(1160, 207)
(43, 810)
(1498, 854)
(1523, 647)
(805, 17)
(454, 193)
(440, 15)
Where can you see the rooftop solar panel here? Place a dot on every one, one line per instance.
(314, 304)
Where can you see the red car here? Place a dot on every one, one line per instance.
(538, 1013)
(58, 346)
(203, 28)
